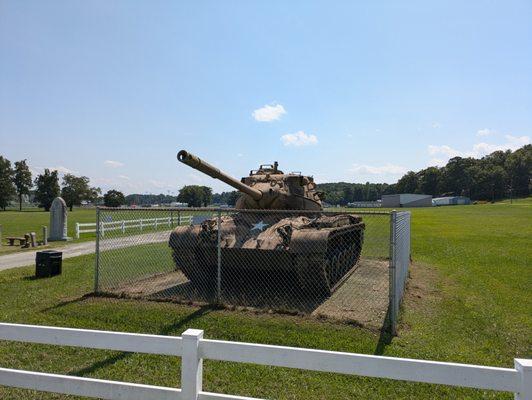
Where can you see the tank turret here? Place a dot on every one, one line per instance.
(264, 188)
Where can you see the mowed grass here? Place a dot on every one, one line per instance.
(468, 301)
(17, 223)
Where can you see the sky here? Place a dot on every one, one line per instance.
(341, 90)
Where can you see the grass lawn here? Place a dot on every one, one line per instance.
(17, 223)
(468, 301)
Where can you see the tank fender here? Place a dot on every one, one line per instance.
(184, 236)
(309, 241)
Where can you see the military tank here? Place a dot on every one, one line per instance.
(319, 250)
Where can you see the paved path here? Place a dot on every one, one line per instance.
(78, 249)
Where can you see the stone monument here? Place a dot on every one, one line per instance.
(58, 220)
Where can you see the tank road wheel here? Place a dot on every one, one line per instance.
(201, 276)
(312, 275)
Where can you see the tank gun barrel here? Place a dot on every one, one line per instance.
(197, 163)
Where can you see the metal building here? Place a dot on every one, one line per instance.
(451, 201)
(406, 200)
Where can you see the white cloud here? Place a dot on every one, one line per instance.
(512, 143)
(62, 170)
(382, 173)
(479, 149)
(382, 170)
(127, 178)
(160, 184)
(268, 113)
(438, 162)
(113, 164)
(299, 138)
(485, 132)
(436, 125)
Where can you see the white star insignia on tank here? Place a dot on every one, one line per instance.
(259, 225)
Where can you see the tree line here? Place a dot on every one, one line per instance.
(501, 174)
(193, 195)
(498, 175)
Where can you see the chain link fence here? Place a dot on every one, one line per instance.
(400, 255)
(329, 264)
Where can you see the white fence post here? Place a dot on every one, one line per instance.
(141, 224)
(191, 365)
(524, 368)
(102, 228)
(123, 226)
(155, 222)
(77, 230)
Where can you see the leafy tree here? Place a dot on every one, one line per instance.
(194, 195)
(144, 199)
(233, 197)
(228, 198)
(95, 193)
(113, 198)
(206, 195)
(22, 180)
(76, 189)
(519, 169)
(428, 180)
(488, 182)
(47, 188)
(7, 189)
(457, 177)
(408, 183)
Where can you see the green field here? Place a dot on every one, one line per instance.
(17, 223)
(468, 300)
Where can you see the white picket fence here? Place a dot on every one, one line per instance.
(192, 348)
(90, 227)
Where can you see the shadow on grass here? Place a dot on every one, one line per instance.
(165, 330)
(385, 337)
(31, 278)
(67, 302)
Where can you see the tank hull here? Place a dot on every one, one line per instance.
(317, 251)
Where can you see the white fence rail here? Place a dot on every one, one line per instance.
(90, 227)
(193, 349)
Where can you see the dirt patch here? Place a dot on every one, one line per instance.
(421, 291)
(362, 299)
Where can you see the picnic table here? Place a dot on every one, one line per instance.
(22, 241)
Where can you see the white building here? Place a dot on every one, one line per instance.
(178, 204)
(406, 200)
(451, 201)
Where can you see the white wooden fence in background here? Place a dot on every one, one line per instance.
(192, 348)
(90, 227)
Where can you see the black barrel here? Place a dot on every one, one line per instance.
(48, 263)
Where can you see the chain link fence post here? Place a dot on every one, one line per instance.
(393, 272)
(219, 263)
(97, 254)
